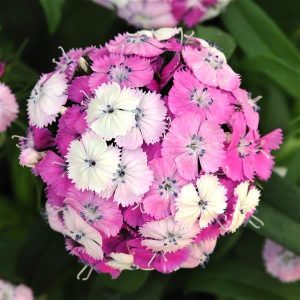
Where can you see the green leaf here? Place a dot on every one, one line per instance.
(53, 12)
(222, 39)
(279, 226)
(257, 34)
(239, 278)
(128, 282)
(283, 195)
(285, 75)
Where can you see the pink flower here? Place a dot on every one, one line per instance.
(191, 140)
(199, 253)
(132, 178)
(239, 161)
(158, 260)
(126, 71)
(140, 44)
(149, 122)
(209, 65)
(102, 214)
(134, 216)
(281, 263)
(188, 94)
(159, 201)
(263, 160)
(8, 107)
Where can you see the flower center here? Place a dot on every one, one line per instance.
(36, 93)
(168, 188)
(137, 38)
(243, 148)
(202, 204)
(109, 109)
(201, 98)
(172, 239)
(90, 212)
(121, 172)
(215, 61)
(119, 73)
(90, 162)
(197, 145)
(138, 116)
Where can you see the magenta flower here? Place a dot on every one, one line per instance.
(8, 107)
(281, 263)
(148, 149)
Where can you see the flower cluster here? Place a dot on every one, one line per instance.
(149, 14)
(281, 263)
(8, 105)
(149, 150)
(11, 292)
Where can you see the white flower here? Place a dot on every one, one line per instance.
(132, 178)
(91, 163)
(167, 235)
(84, 234)
(121, 261)
(47, 98)
(111, 112)
(7, 290)
(247, 200)
(149, 123)
(206, 202)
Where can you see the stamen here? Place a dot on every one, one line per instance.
(222, 226)
(81, 272)
(84, 93)
(261, 223)
(256, 99)
(152, 258)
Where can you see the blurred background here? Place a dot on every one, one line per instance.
(261, 40)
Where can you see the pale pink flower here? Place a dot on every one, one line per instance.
(102, 214)
(47, 98)
(83, 233)
(167, 235)
(149, 122)
(132, 178)
(281, 263)
(188, 94)
(191, 140)
(199, 253)
(159, 201)
(14, 292)
(209, 65)
(8, 107)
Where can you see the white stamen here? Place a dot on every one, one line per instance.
(256, 226)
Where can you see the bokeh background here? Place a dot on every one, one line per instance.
(261, 40)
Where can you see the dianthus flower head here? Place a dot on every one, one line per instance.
(281, 262)
(150, 14)
(148, 149)
(9, 291)
(8, 107)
